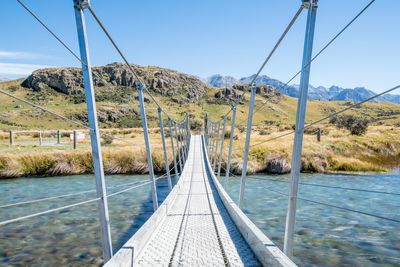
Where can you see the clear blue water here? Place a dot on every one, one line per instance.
(69, 236)
(325, 236)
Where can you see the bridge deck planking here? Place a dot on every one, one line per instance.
(196, 228)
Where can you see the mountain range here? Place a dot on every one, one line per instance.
(333, 93)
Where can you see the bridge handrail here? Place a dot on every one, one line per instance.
(138, 241)
(21, 218)
(264, 249)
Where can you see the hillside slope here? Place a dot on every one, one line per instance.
(61, 90)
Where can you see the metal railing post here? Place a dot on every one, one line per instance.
(300, 116)
(222, 148)
(173, 149)
(164, 148)
(211, 131)
(246, 147)
(189, 135)
(228, 164)
(178, 148)
(147, 144)
(206, 128)
(216, 146)
(183, 145)
(94, 129)
(213, 126)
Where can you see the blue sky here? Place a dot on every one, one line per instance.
(229, 37)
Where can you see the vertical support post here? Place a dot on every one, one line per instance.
(75, 137)
(300, 116)
(228, 164)
(187, 138)
(319, 134)
(182, 139)
(11, 138)
(213, 125)
(94, 130)
(222, 148)
(40, 138)
(189, 135)
(58, 137)
(185, 129)
(206, 128)
(178, 147)
(246, 147)
(147, 144)
(210, 139)
(173, 149)
(164, 148)
(216, 146)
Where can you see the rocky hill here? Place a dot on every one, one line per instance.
(182, 87)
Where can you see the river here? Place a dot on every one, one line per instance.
(325, 236)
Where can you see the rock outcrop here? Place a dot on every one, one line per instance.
(184, 87)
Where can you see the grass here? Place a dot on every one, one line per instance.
(378, 150)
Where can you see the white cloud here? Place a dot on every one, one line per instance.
(18, 55)
(18, 68)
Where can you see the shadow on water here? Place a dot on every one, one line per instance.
(145, 212)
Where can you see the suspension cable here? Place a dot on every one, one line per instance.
(337, 207)
(222, 117)
(99, 22)
(330, 115)
(288, 27)
(21, 218)
(44, 109)
(69, 49)
(69, 194)
(334, 206)
(49, 30)
(327, 186)
(323, 49)
(58, 115)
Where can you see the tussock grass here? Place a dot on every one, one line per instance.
(77, 162)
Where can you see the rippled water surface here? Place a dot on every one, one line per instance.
(71, 236)
(325, 236)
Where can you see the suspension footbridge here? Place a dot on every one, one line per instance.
(198, 223)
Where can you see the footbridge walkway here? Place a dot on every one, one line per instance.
(199, 225)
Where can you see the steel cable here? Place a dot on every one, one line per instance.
(323, 49)
(337, 207)
(21, 218)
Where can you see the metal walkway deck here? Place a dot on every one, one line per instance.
(193, 227)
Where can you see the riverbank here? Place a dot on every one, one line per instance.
(337, 152)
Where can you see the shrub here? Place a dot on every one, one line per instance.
(356, 125)
(107, 139)
(264, 132)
